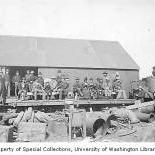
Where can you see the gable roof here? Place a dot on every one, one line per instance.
(55, 52)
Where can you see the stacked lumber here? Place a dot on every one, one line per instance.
(13, 118)
(33, 126)
(140, 112)
(125, 114)
(145, 112)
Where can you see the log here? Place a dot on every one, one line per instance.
(42, 117)
(137, 106)
(32, 117)
(35, 119)
(8, 116)
(18, 119)
(27, 115)
(124, 113)
(147, 109)
(143, 117)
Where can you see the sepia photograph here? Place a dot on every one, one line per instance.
(77, 71)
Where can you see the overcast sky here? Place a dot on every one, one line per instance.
(131, 22)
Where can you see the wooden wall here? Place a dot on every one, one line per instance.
(126, 75)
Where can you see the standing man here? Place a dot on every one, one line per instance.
(85, 89)
(27, 76)
(16, 80)
(7, 82)
(105, 78)
(32, 79)
(59, 77)
(106, 83)
(153, 72)
(2, 88)
(100, 89)
(117, 87)
(108, 88)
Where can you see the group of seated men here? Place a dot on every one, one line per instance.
(32, 86)
(99, 88)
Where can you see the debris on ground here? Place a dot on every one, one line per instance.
(126, 124)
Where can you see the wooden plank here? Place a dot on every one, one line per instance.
(79, 102)
(137, 106)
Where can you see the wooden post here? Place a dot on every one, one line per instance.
(84, 124)
(70, 126)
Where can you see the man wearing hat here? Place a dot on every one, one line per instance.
(32, 76)
(153, 72)
(40, 79)
(85, 82)
(7, 82)
(105, 77)
(59, 77)
(15, 80)
(108, 88)
(117, 87)
(85, 89)
(100, 90)
(77, 87)
(27, 76)
(23, 89)
(2, 88)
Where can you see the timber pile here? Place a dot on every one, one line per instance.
(31, 116)
(141, 112)
(124, 115)
(131, 120)
(145, 112)
(29, 125)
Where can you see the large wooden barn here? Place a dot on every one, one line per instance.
(75, 57)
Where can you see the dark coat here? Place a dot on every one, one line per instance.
(2, 88)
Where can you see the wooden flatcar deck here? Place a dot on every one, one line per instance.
(14, 102)
(59, 105)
